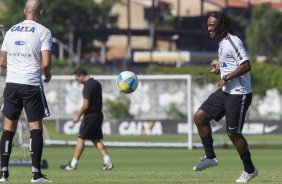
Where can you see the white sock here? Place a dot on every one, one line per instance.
(74, 162)
(4, 169)
(107, 159)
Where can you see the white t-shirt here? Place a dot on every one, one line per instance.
(23, 44)
(231, 54)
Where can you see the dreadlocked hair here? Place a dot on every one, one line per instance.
(223, 26)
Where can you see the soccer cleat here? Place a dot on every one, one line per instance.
(206, 163)
(108, 166)
(245, 177)
(4, 176)
(38, 177)
(68, 167)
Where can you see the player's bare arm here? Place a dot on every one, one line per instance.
(215, 66)
(82, 110)
(241, 70)
(3, 59)
(46, 64)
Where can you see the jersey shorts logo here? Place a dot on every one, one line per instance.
(223, 65)
(23, 29)
(232, 128)
(17, 54)
(20, 43)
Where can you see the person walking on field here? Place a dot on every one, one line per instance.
(26, 50)
(232, 99)
(91, 124)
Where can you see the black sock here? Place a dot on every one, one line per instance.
(248, 164)
(208, 146)
(6, 148)
(36, 147)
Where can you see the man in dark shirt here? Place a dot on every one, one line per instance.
(91, 124)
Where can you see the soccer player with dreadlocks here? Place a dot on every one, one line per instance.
(231, 99)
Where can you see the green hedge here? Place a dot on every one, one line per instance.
(264, 76)
(60, 67)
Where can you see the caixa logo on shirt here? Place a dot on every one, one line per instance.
(20, 43)
(18, 54)
(23, 29)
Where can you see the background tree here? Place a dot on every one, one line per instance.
(12, 12)
(67, 17)
(263, 34)
(63, 16)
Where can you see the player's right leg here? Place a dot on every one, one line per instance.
(108, 165)
(36, 109)
(79, 148)
(204, 129)
(212, 108)
(36, 148)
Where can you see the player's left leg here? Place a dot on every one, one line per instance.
(241, 146)
(108, 165)
(12, 109)
(9, 130)
(236, 108)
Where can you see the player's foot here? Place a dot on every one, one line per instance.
(108, 166)
(68, 167)
(39, 177)
(245, 177)
(206, 163)
(4, 176)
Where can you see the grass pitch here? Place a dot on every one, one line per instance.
(152, 166)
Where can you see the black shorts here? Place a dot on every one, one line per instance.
(232, 106)
(31, 98)
(91, 126)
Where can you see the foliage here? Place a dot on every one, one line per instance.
(63, 17)
(85, 14)
(60, 67)
(264, 33)
(117, 108)
(193, 70)
(12, 13)
(264, 76)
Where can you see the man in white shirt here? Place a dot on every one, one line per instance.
(25, 52)
(232, 99)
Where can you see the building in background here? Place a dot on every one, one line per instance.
(188, 28)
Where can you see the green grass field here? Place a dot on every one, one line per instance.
(152, 166)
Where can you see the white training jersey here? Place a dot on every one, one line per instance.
(23, 44)
(231, 54)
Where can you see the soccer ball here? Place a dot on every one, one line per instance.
(127, 82)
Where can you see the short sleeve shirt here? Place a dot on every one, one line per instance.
(23, 44)
(231, 54)
(92, 91)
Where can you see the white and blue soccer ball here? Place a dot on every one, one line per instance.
(127, 82)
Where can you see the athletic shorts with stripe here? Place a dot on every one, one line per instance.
(91, 126)
(29, 97)
(232, 106)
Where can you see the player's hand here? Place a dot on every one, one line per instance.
(215, 66)
(76, 119)
(221, 83)
(48, 76)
